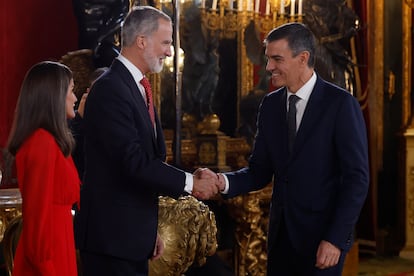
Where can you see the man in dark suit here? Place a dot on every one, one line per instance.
(125, 172)
(320, 185)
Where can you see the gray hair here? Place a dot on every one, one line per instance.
(141, 20)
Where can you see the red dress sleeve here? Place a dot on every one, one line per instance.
(37, 188)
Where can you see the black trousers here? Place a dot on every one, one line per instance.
(284, 260)
(104, 265)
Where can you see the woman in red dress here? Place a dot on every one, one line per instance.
(48, 181)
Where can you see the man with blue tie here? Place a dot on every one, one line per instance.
(311, 142)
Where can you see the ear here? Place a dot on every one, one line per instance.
(141, 41)
(304, 57)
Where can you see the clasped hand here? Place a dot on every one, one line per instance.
(207, 184)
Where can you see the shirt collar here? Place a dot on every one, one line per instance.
(305, 91)
(135, 72)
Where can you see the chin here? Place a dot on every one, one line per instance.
(157, 69)
(70, 115)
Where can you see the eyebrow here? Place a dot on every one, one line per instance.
(275, 57)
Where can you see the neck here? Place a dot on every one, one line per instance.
(134, 58)
(302, 79)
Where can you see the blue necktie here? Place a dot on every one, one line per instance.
(291, 120)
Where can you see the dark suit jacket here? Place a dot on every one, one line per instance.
(124, 171)
(321, 188)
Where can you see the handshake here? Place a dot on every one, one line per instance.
(207, 184)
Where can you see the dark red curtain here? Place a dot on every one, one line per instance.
(30, 31)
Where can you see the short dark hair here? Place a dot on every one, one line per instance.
(299, 37)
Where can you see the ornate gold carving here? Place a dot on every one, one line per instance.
(10, 207)
(410, 3)
(81, 64)
(251, 214)
(188, 152)
(188, 229)
(209, 125)
(237, 151)
(245, 68)
(212, 151)
(207, 153)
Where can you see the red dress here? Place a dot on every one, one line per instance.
(49, 184)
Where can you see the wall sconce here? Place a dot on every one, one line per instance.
(230, 16)
(410, 3)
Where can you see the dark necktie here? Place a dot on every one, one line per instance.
(291, 120)
(148, 92)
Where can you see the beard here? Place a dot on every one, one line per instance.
(154, 63)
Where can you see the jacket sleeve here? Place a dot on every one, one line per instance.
(352, 151)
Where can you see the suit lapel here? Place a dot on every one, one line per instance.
(136, 95)
(314, 110)
(275, 126)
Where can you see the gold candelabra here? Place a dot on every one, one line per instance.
(227, 17)
(410, 3)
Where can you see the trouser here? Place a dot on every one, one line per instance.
(93, 264)
(285, 260)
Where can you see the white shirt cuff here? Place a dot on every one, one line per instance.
(188, 188)
(226, 188)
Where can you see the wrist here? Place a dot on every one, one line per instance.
(221, 181)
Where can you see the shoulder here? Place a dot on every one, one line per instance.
(39, 143)
(276, 93)
(274, 96)
(336, 98)
(329, 86)
(333, 92)
(115, 79)
(42, 135)
(41, 139)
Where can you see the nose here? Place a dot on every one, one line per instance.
(269, 65)
(168, 51)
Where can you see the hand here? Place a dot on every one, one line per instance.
(204, 173)
(81, 107)
(159, 248)
(205, 187)
(207, 173)
(327, 255)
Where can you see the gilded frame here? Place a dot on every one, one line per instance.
(406, 69)
(408, 185)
